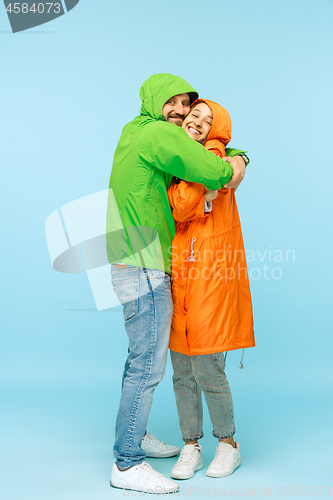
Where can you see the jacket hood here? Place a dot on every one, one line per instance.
(220, 134)
(158, 89)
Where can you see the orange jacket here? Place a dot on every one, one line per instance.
(210, 286)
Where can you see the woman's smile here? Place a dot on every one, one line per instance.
(198, 122)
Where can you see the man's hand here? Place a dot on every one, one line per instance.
(238, 165)
(211, 195)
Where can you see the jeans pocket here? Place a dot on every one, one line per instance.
(126, 286)
(158, 277)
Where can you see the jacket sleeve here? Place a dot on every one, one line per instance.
(235, 152)
(229, 152)
(187, 200)
(168, 148)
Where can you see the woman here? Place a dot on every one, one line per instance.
(212, 301)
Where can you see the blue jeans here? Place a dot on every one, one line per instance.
(192, 376)
(147, 308)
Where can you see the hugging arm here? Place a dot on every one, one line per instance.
(169, 149)
(236, 160)
(187, 200)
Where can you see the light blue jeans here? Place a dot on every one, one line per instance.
(147, 309)
(192, 376)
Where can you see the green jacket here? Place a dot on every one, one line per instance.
(140, 226)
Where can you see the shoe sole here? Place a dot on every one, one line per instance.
(163, 454)
(199, 466)
(147, 490)
(217, 474)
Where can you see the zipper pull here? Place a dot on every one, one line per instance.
(191, 257)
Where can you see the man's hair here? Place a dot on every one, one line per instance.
(192, 96)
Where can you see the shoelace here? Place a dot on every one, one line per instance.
(187, 455)
(153, 439)
(223, 456)
(147, 471)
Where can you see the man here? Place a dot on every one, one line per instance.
(150, 152)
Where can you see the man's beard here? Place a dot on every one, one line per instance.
(179, 118)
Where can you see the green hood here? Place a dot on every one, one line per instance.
(158, 89)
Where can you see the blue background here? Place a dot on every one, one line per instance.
(67, 89)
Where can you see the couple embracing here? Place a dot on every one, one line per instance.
(179, 270)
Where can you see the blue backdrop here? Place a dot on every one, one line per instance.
(68, 87)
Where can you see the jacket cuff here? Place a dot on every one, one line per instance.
(236, 152)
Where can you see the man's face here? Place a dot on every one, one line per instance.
(176, 109)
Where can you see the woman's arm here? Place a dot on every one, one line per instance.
(187, 200)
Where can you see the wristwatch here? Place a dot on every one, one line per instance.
(245, 158)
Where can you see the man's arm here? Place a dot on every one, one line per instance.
(238, 160)
(231, 152)
(238, 165)
(169, 149)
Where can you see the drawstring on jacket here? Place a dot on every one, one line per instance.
(241, 361)
(191, 257)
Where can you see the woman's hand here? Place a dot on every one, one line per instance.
(210, 195)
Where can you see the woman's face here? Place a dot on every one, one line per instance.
(198, 122)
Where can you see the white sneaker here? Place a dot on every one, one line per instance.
(227, 459)
(143, 478)
(188, 463)
(157, 449)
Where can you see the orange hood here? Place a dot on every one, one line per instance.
(220, 134)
